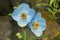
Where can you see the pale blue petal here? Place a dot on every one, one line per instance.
(21, 8)
(24, 6)
(37, 33)
(38, 15)
(22, 24)
(31, 25)
(43, 24)
(30, 16)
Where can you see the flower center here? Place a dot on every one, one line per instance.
(36, 25)
(23, 16)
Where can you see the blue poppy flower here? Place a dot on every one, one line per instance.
(38, 25)
(23, 14)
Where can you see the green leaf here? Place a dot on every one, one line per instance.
(53, 17)
(51, 2)
(53, 12)
(10, 14)
(55, 4)
(24, 35)
(43, 4)
(19, 35)
(44, 35)
(37, 5)
(59, 10)
(31, 38)
(8, 39)
(50, 10)
(14, 7)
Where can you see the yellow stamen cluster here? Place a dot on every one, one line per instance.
(35, 25)
(23, 16)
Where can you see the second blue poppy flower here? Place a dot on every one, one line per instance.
(38, 25)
